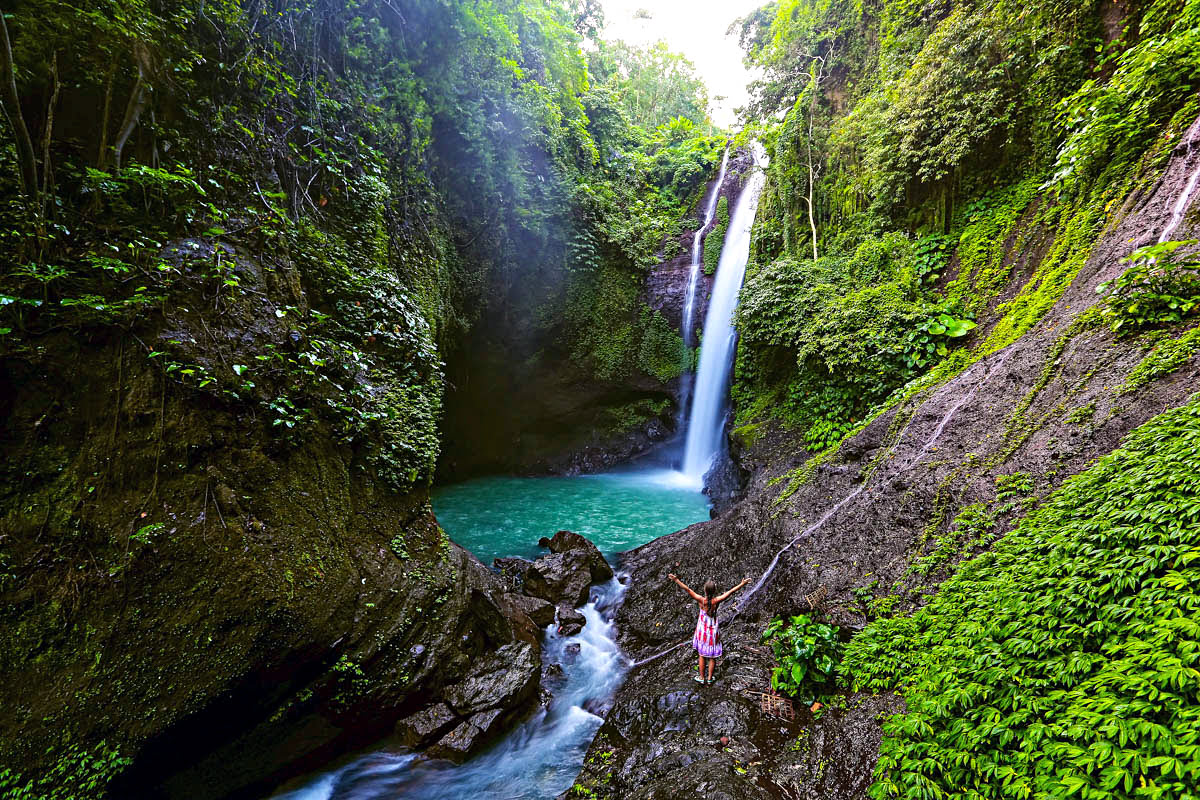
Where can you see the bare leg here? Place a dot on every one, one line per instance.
(700, 672)
(711, 661)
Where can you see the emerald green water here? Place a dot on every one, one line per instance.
(505, 516)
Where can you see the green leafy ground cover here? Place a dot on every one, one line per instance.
(1066, 661)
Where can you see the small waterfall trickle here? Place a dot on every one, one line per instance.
(1185, 197)
(708, 402)
(710, 211)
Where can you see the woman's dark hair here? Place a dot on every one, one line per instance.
(710, 588)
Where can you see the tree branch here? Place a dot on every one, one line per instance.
(49, 133)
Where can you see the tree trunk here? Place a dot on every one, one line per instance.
(102, 150)
(133, 111)
(26, 161)
(49, 133)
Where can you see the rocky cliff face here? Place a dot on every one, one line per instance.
(847, 526)
(666, 285)
(222, 588)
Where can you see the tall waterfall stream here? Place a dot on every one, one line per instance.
(710, 399)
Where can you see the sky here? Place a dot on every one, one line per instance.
(695, 28)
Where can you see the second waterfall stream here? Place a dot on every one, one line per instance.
(709, 402)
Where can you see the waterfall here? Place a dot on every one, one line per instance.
(705, 420)
(687, 379)
(710, 211)
(1185, 197)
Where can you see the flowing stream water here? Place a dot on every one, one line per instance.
(705, 426)
(538, 759)
(503, 516)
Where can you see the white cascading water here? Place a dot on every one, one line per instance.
(687, 379)
(537, 759)
(1185, 197)
(705, 421)
(710, 211)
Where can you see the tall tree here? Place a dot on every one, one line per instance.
(26, 161)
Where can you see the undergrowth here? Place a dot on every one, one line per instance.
(1066, 660)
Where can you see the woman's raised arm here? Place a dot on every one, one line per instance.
(684, 586)
(722, 598)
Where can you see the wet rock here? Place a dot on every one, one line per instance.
(567, 541)
(724, 483)
(426, 725)
(570, 621)
(501, 679)
(456, 745)
(469, 736)
(600, 706)
(539, 610)
(560, 578)
(512, 570)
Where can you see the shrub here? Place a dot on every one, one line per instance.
(1158, 288)
(807, 653)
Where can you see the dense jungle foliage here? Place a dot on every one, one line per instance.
(1063, 663)
(416, 164)
(914, 147)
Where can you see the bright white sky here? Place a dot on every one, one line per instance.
(695, 28)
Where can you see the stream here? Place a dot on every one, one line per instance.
(503, 516)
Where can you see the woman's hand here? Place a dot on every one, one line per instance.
(671, 576)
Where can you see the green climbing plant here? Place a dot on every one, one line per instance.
(807, 654)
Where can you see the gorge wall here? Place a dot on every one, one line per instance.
(260, 256)
(530, 404)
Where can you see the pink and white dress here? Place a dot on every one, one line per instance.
(707, 638)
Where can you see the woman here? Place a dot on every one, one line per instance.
(707, 638)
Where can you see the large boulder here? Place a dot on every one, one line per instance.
(467, 738)
(503, 679)
(568, 541)
(512, 569)
(540, 611)
(560, 578)
(426, 725)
